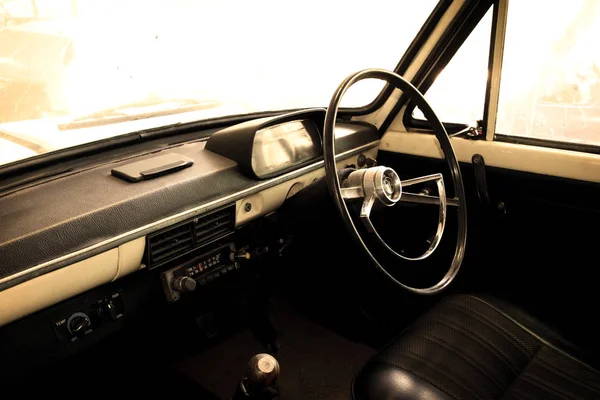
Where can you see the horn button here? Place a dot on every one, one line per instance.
(381, 183)
(391, 187)
(385, 183)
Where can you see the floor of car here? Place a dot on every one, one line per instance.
(316, 363)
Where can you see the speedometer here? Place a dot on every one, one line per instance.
(271, 146)
(283, 146)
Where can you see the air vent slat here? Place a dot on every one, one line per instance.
(187, 241)
(171, 243)
(159, 240)
(218, 220)
(172, 251)
(213, 226)
(207, 237)
(207, 231)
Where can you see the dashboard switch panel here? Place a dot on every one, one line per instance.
(83, 322)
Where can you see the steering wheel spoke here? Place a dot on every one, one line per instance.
(426, 199)
(365, 213)
(350, 193)
(422, 179)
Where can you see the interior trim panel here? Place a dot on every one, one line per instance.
(555, 162)
(269, 200)
(49, 289)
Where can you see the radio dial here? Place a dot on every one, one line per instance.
(184, 284)
(241, 255)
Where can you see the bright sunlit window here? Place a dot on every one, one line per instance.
(550, 86)
(75, 71)
(458, 93)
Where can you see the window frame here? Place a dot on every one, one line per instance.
(461, 27)
(493, 85)
(522, 140)
(404, 63)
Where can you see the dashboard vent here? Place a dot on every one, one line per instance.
(173, 242)
(213, 226)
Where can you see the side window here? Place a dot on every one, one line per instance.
(550, 83)
(458, 93)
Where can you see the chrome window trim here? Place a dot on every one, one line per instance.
(495, 67)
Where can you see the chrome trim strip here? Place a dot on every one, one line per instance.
(144, 230)
(492, 95)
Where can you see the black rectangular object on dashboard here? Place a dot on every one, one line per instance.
(150, 168)
(171, 243)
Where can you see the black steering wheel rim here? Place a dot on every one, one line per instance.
(334, 184)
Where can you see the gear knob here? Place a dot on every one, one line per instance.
(263, 370)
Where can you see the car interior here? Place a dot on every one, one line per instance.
(434, 242)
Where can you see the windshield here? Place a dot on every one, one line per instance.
(76, 71)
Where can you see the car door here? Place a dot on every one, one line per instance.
(526, 93)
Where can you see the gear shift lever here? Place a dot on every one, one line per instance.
(263, 370)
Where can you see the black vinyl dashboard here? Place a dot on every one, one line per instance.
(62, 221)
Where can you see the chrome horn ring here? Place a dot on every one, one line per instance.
(378, 184)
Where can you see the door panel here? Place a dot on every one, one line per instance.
(541, 253)
(566, 164)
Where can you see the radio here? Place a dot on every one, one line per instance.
(201, 270)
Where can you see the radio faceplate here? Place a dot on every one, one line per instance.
(199, 271)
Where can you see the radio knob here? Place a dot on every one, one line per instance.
(241, 255)
(183, 284)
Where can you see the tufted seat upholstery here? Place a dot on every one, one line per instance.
(468, 347)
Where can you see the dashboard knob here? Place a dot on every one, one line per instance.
(110, 311)
(78, 323)
(241, 255)
(183, 284)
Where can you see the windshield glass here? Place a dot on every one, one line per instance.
(77, 71)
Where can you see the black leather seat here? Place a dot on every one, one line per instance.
(469, 347)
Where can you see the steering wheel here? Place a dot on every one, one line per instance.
(383, 185)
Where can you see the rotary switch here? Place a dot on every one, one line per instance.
(78, 324)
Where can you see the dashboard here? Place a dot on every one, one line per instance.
(68, 237)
